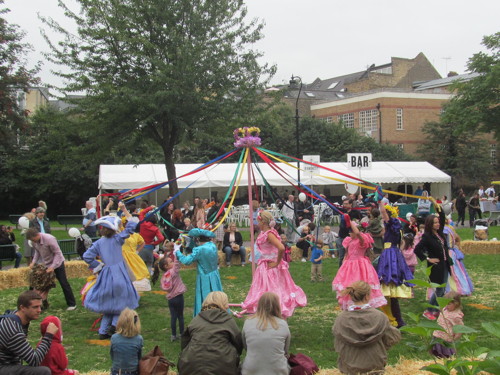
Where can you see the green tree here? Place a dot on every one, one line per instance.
(164, 68)
(60, 158)
(15, 78)
(333, 141)
(463, 156)
(476, 104)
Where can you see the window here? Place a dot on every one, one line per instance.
(309, 94)
(329, 119)
(368, 120)
(386, 70)
(399, 119)
(333, 85)
(493, 154)
(401, 146)
(347, 119)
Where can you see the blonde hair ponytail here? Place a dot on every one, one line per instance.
(357, 291)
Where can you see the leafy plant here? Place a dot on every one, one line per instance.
(470, 358)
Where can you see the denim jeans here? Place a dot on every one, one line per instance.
(229, 251)
(19, 256)
(439, 292)
(176, 307)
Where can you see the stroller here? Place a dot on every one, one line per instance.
(481, 230)
(326, 214)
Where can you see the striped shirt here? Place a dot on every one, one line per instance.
(14, 346)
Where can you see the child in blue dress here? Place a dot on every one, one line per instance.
(208, 277)
(113, 290)
(126, 344)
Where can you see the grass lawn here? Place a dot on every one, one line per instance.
(310, 326)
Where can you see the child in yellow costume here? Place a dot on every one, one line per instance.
(136, 265)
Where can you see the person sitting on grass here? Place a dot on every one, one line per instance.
(14, 345)
(450, 316)
(126, 344)
(362, 334)
(212, 342)
(266, 338)
(56, 358)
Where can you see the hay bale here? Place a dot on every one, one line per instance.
(14, 278)
(480, 247)
(77, 269)
(17, 277)
(403, 367)
(235, 258)
(296, 254)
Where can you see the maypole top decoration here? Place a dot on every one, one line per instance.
(246, 137)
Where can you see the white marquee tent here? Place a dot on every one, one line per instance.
(389, 174)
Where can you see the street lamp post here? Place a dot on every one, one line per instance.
(293, 83)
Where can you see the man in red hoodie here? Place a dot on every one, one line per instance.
(56, 358)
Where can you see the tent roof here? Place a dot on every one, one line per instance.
(128, 176)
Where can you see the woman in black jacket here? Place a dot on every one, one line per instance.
(433, 247)
(233, 244)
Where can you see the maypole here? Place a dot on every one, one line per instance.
(248, 137)
(250, 209)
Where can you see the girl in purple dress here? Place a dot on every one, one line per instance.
(392, 269)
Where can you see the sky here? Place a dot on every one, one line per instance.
(327, 38)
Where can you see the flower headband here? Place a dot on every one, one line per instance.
(393, 211)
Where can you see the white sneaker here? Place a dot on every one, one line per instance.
(304, 260)
(71, 308)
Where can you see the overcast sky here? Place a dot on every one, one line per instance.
(328, 38)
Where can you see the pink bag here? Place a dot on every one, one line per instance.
(301, 364)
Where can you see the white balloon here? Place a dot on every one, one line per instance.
(408, 216)
(24, 222)
(302, 197)
(74, 232)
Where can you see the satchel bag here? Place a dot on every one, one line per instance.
(154, 363)
(301, 364)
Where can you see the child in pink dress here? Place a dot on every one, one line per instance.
(408, 252)
(357, 267)
(271, 274)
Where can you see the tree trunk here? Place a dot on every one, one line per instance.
(171, 173)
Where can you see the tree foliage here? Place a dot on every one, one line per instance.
(164, 68)
(476, 104)
(465, 156)
(333, 141)
(60, 160)
(15, 78)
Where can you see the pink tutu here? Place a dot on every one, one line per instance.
(277, 280)
(357, 267)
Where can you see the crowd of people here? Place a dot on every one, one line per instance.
(376, 250)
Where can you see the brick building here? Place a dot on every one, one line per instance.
(387, 115)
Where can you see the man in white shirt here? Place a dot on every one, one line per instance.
(490, 192)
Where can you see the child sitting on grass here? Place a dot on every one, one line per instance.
(172, 283)
(450, 316)
(56, 359)
(362, 334)
(126, 344)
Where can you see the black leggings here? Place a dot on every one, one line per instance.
(176, 307)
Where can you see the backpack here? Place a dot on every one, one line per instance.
(301, 364)
(82, 244)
